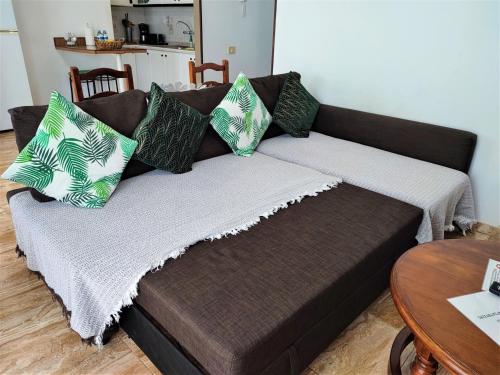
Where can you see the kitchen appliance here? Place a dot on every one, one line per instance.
(129, 27)
(143, 33)
(14, 86)
(153, 39)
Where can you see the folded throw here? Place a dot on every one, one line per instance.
(94, 259)
(444, 194)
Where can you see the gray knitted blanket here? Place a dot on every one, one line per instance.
(444, 194)
(94, 258)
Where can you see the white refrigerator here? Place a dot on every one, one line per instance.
(14, 86)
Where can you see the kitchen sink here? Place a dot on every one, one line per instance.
(179, 46)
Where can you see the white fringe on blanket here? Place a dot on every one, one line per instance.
(94, 258)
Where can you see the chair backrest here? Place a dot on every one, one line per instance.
(101, 76)
(224, 68)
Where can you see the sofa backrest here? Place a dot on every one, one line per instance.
(436, 144)
(448, 147)
(123, 112)
(205, 100)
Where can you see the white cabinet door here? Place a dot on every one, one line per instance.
(143, 71)
(183, 67)
(171, 67)
(162, 67)
(158, 65)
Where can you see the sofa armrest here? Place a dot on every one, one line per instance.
(13, 192)
(449, 147)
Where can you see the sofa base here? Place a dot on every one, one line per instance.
(170, 358)
(162, 350)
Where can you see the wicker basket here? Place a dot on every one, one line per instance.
(108, 44)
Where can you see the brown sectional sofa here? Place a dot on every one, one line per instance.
(320, 262)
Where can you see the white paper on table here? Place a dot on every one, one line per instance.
(492, 274)
(482, 309)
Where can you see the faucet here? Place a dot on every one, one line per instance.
(189, 32)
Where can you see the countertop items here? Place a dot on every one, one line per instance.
(422, 281)
(81, 47)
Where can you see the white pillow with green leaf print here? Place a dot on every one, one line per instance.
(73, 157)
(241, 118)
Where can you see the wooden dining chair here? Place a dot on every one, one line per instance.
(224, 68)
(99, 78)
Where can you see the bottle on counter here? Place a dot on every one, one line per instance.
(89, 35)
(99, 35)
(104, 35)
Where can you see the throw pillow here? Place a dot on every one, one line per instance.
(296, 108)
(171, 133)
(241, 118)
(128, 109)
(73, 157)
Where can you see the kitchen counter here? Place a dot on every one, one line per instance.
(81, 47)
(93, 51)
(165, 47)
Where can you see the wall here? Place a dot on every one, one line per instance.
(157, 18)
(224, 25)
(39, 21)
(432, 61)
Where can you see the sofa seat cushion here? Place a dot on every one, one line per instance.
(238, 303)
(443, 193)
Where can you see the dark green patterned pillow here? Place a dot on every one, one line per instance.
(296, 109)
(171, 133)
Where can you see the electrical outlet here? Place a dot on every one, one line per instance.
(231, 50)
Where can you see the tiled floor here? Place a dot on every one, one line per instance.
(35, 339)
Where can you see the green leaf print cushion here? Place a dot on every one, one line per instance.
(241, 118)
(73, 157)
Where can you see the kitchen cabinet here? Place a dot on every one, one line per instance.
(142, 72)
(183, 66)
(162, 66)
(158, 66)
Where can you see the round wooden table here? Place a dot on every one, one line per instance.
(421, 282)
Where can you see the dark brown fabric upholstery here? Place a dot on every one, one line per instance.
(242, 303)
(449, 147)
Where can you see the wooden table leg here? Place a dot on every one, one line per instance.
(402, 340)
(424, 363)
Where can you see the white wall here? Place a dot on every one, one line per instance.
(224, 25)
(39, 21)
(431, 61)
